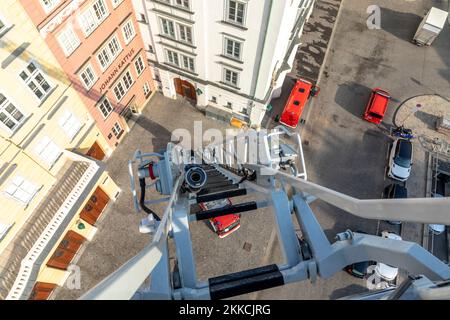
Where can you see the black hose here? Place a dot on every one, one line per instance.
(142, 200)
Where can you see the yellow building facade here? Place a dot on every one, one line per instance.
(51, 192)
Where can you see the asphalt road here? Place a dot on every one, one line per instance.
(344, 152)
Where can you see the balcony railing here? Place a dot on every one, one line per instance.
(31, 264)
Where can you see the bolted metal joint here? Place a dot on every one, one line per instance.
(347, 235)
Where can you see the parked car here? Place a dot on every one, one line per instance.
(296, 103)
(223, 225)
(400, 160)
(386, 271)
(377, 105)
(359, 269)
(395, 191)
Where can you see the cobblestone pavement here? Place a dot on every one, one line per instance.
(422, 120)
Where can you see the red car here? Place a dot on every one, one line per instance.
(376, 108)
(296, 103)
(223, 225)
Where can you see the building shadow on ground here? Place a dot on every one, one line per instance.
(427, 118)
(161, 136)
(402, 25)
(348, 291)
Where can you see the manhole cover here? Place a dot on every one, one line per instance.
(247, 246)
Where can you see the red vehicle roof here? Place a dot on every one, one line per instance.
(296, 103)
(376, 108)
(230, 221)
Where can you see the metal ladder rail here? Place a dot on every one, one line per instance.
(355, 249)
(341, 253)
(410, 209)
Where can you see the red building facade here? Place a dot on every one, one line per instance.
(99, 45)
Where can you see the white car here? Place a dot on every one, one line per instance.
(400, 160)
(385, 271)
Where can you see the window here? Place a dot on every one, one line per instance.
(35, 80)
(119, 91)
(231, 77)
(182, 3)
(117, 130)
(233, 48)
(188, 63)
(185, 33)
(168, 28)
(127, 80)
(123, 85)
(108, 53)
(47, 150)
(214, 99)
(139, 64)
(236, 12)
(49, 4)
(88, 77)
(105, 108)
(128, 31)
(92, 17)
(150, 49)
(172, 57)
(70, 124)
(116, 3)
(229, 105)
(146, 89)
(68, 40)
(21, 189)
(114, 47)
(10, 116)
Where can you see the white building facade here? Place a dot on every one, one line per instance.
(228, 57)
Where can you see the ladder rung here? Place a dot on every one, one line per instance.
(217, 189)
(234, 209)
(221, 195)
(214, 174)
(216, 179)
(246, 281)
(218, 184)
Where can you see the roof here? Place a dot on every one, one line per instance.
(437, 17)
(380, 101)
